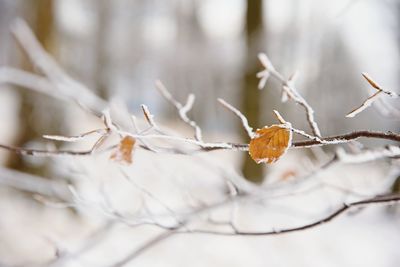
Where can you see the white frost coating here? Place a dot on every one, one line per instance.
(263, 76)
(245, 122)
(289, 89)
(148, 116)
(189, 104)
(368, 102)
(369, 155)
(73, 138)
(315, 138)
(279, 117)
(284, 96)
(378, 87)
(365, 104)
(266, 62)
(166, 94)
(107, 120)
(182, 109)
(64, 138)
(182, 139)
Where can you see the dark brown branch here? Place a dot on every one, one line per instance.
(349, 137)
(385, 199)
(331, 140)
(226, 146)
(375, 200)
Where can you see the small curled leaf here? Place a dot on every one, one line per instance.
(124, 151)
(270, 143)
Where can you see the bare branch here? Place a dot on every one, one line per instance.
(34, 184)
(368, 102)
(75, 138)
(149, 117)
(385, 199)
(243, 118)
(279, 117)
(368, 155)
(378, 87)
(63, 82)
(30, 81)
(288, 87)
(182, 109)
(344, 138)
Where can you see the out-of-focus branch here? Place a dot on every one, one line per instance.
(64, 84)
(144, 247)
(368, 155)
(385, 199)
(368, 102)
(34, 184)
(29, 81)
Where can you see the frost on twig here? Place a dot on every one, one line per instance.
(371, 99)
(289, 90)
(297, 131)
(243, 118)
(148, 116)
(279, 117)
(182, 109)
(74, 138)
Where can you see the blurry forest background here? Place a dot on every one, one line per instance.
(207, 47)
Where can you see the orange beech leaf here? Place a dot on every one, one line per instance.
(124, 150)
(270, 143)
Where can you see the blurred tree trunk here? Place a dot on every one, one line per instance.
(43, 27)
(251, 97)
(101, 73)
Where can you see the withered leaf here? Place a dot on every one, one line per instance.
(123, 153)
(371, 82)
(270, 143)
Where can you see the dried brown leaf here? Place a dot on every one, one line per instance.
(371, 82)
(124, 151)
(270, 143)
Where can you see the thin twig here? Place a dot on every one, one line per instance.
(368, 102)
(371, 99)
(288, 87)
(388, 199)
(148, 116)
(239, 114)
(74, 138)
(182, 109)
